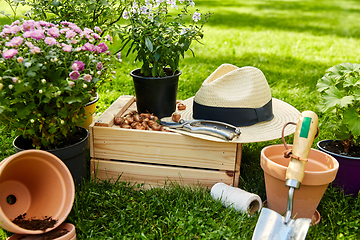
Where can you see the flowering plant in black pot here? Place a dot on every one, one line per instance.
(340, 92)
(158, 38)
(48, 72)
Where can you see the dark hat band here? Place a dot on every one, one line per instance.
(239, 117)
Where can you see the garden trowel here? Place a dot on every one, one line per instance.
(271, 225)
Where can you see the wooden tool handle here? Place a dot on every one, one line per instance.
(305, 132)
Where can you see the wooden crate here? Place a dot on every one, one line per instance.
(153, 157)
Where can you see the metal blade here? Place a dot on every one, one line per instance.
(271, 225)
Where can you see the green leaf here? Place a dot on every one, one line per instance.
(324, 83)
(71, 100)
(149, 44)
(22, 112)
(351, 81)
(352, 120)
(357, 95)
(334, 97)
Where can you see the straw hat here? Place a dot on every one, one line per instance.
(241, 97)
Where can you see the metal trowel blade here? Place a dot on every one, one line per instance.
(271, 225)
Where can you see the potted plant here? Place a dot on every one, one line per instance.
(48, 73)
(159, 40)
(340, 92)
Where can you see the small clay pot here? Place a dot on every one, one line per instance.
(35, 183)
(320, 170)
(70, 235)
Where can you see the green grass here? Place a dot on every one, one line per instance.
(293, 43)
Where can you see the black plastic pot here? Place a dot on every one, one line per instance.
(348, 177)
(155, 95)
(74, 156)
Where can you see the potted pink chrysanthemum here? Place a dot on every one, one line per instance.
(48, 73)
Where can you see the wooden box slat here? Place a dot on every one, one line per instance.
(162, 148)
(153, 175)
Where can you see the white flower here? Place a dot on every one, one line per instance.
(43, 80)
(196, 17)
(40, 91)
(126, 15)
(32, 120)
(84, 85)
(62, 122)
(11, 86)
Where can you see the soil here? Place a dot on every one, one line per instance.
(34, 223)
(338, 148)
(54, 234)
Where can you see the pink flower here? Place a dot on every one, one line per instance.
(71, 83)
(28, 25)
(99, 66)
(15, 29)
(70, 34)
(78, 66)
(89, 47)
(87, 77)
(50, 41)
(65, 23)
(15, 79)
(20, 60)
(75, 28)
(109, 37)
(35, 50)
(74, 75)
(54, 32)
(10, 53)
(96, 36)
(27, 34)
(103, 47)
(38, 34)
(97, 29)
(29, 44)
(66, 48)
(17, 41)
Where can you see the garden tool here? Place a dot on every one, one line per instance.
(213, 128)
(271, 225)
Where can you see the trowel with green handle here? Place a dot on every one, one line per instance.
(271, 225)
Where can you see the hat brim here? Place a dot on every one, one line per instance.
(260, 132)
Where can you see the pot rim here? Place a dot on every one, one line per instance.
(334, 154)
(327, 176)
(132, 74)
(56, 149)
(93, 101)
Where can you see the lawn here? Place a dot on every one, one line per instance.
(293, 43)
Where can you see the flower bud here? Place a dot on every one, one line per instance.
(84, 85)
(40, 91)
(32, 120)
(43, 80)
(62, 122)
(11, 86)
(1, 86)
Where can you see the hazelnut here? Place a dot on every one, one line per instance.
(176, 117)
(119, 120)
(181, 106)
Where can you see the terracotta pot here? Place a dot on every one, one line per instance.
(320, 170)
(348, 177)
(89, 112)
(37, 183)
